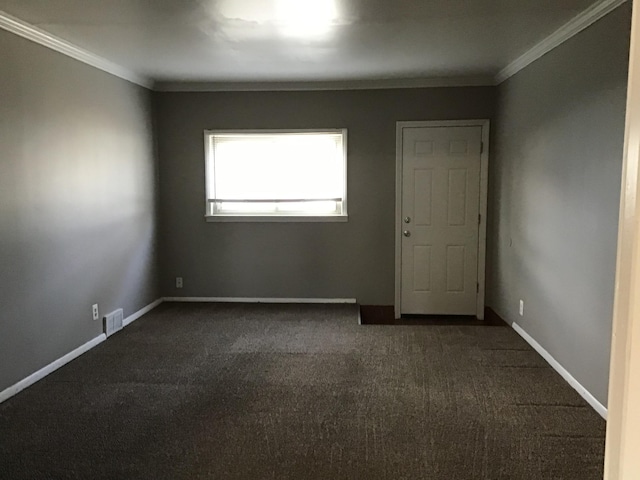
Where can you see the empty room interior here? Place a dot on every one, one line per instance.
(326, 239)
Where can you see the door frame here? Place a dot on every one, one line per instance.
(482, 228)
(623, 423)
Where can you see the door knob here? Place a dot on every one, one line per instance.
(406, 233)
(407, 219)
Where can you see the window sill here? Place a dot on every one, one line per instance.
(277, 218)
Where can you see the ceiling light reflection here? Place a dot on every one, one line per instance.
(306, 19)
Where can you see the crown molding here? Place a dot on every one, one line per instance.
(564, 33)
(37, 35)
(372, 84)
(574, 26)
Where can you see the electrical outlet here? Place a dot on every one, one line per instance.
(178, 282)
(521, 307)
(94, 311)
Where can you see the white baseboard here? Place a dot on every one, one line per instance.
(56, 364)
(584, 393)
(134, 316)
(258, 300)
(53, 366)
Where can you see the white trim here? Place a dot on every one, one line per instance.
(135, 316)
(56, 364)
(46, 39)
(621, 460)
(482, 228)
(398, 226)
(371, 84)
(53, 366)
(584, 393)
(341, 203)
(574, 26)
(258, 300)
(276, 218)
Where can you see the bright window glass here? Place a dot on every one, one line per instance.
(280, 173)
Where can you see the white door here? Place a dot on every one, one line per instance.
(441, 168)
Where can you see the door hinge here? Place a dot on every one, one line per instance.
(481, 147)
(477, 288)
(479, 218)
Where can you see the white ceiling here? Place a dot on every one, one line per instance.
(302, 40)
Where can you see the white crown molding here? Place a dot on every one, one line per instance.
(574, 26)
(564, 33)
(372, 84)
(35, 34)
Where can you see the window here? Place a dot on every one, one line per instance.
(267, 175)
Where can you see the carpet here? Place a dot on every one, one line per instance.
(230, 391)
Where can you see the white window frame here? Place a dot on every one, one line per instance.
(273, 217)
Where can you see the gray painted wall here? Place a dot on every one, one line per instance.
(77, 203)
(353, 259)
(78, 198)
(555, 185)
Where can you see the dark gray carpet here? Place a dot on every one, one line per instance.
(196, 391)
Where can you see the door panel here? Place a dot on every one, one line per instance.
(423, 181)
(455, 268)
(457, 197)
(440, 202)
(422, 268)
